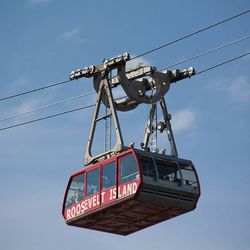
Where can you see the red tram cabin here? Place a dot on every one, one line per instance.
(130, 191)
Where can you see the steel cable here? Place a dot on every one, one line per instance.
(34, 90)
(46, 106)
(92, 105)
(207, 52)
(190, 34)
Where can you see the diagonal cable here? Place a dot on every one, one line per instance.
(34, 90)
(222, 63)
(208, 52)
(191, 34)
(46, 117)
(46, 106)
(89, 106)
(50, 116)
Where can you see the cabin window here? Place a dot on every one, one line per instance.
(76, 191)
(189, 177)
(109, 175)
(93, 182)
(128, 168)
(168, 172)
(148, 168)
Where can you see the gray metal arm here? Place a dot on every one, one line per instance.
(104, 89)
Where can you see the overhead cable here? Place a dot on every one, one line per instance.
(46, 106)
(190, 34)
(46, 117)
(92, 105)
(33, 90)
(140, 55)
(51, 116)
(207, 52)
(220, 64)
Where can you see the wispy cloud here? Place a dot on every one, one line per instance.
(70, 34)
(236, 90)
(239, 90)
(37, 2)
(20, 83)
(183, 120)
(23, 107)
(27, 106)
(137, 62)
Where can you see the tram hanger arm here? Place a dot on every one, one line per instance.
(108, 64)
(176, 75)
(137, 73)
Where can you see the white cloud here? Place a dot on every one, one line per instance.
(36, 2)
(215, 86)
(20, 83)
(137, 62)
(21, 109)
(26, 106)
(183, 120)
(236, 90)
(239, 90)
(67, 35)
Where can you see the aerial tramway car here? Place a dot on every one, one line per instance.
(125, 189)
(130, 191)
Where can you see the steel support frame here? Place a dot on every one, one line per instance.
(168, 128)
(104, 89)
(136, 94)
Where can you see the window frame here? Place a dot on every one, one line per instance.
(99, 181)
(69, 187)
(120, 167)
(101, 174)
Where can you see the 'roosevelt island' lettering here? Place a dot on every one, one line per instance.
(99, 198)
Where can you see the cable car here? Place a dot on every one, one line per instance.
(123, 190)
(131, 190)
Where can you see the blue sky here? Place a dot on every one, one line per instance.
(42, 41)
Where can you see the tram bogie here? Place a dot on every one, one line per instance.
(130, 191)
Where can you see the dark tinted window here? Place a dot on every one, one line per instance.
(148, 168)
(76, 191)
(109, 175)
(93, 182)
(168, 171)
(128, 168)
(189, 177)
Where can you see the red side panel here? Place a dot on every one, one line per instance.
(106, 197)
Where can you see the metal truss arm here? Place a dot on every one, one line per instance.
(104, 89)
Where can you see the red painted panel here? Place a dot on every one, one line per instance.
(97, 200)
(87, 205)
(108, 195)
(128, 188)
(104, 197)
